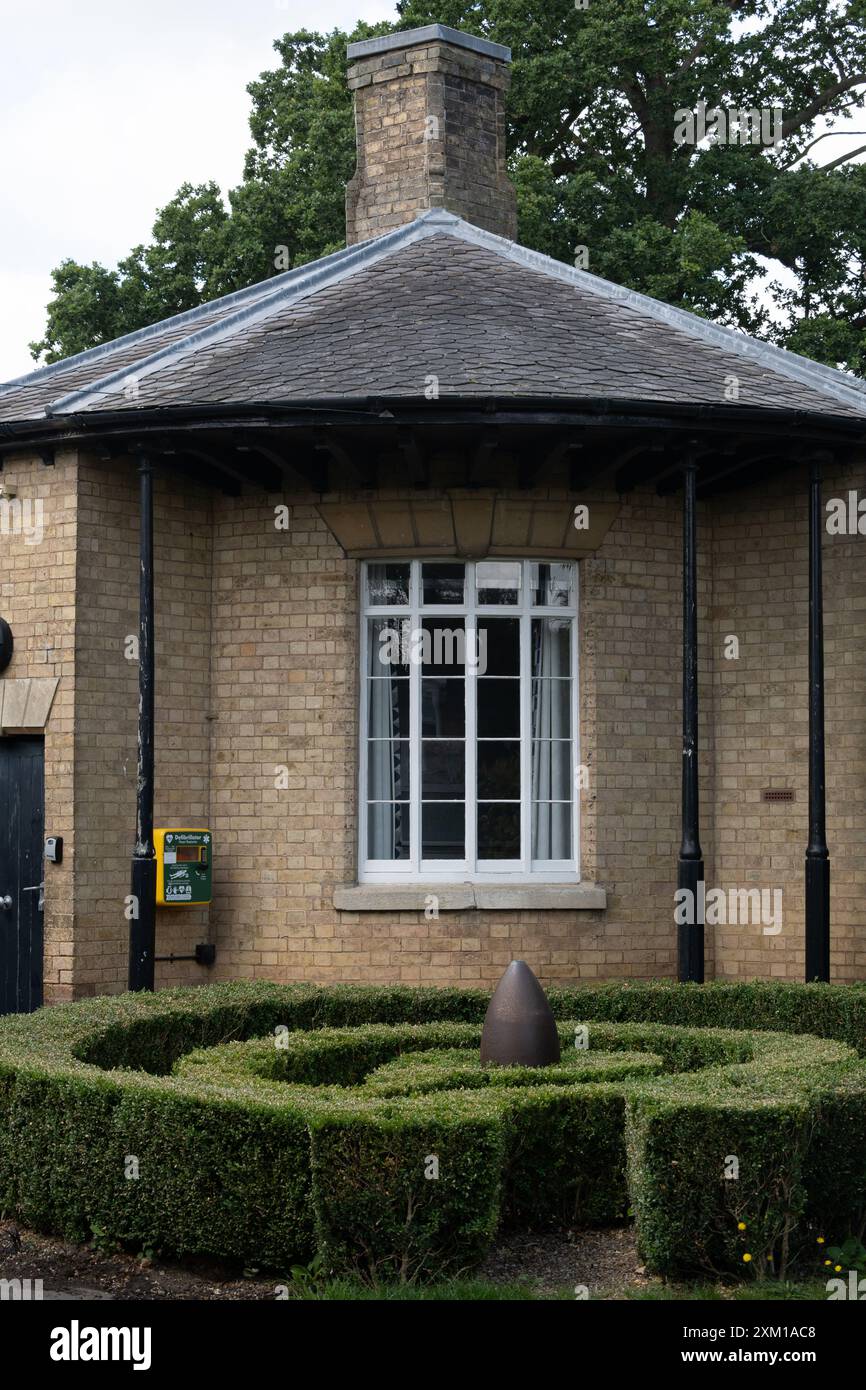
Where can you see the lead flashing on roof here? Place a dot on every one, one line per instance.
(283, 291)
(263, 289)
(430, 33)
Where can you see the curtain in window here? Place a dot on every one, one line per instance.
(385, 771)
(551, 734)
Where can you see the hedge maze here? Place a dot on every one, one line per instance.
(270, 1123)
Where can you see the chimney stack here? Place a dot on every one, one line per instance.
(430, 124)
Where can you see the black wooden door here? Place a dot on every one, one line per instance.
(22, 810)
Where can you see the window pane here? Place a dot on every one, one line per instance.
(423, 664)
(387, 831)
(388, 708)
(443, 707)
(442, 646)
(551, 770)
(499, 771)
(551, 709)
(443, 771)
(388, 646)
(498, 647)
(498, 581)
(551, 830)
(551, 647)
(388, 584)
(443, 830)
(552, 585)
(443, 583)
(498, 831)
(498, 709)
(388, 769)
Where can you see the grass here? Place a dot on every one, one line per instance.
(448, 1291)
(769, 1290)
(482, 1291)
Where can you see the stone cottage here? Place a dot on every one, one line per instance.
(471, 606)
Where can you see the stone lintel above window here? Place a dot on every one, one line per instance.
(474, 525)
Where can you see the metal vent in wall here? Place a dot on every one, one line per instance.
(777, 794)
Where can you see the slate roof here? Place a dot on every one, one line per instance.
(437, 298)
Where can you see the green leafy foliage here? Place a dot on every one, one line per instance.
(298, 1124)
(592, 118)
(851, 1254)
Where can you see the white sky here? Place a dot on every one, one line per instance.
(107, 106)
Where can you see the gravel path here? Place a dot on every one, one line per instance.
(76, 1272)
(600, 1260)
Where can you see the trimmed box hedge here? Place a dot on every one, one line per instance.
(266, 1153)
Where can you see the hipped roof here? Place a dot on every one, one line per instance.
(437, 300)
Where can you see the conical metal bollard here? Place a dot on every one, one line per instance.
(519, 1027)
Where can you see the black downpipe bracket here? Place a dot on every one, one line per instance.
(142, 928)
(690, 934)
(817, 852)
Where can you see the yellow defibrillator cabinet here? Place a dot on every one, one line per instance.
(184, 860)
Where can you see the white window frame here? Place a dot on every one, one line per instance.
(469, 870)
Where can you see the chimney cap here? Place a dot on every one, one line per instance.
(407, 38)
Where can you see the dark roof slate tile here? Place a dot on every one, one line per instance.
(435, 300)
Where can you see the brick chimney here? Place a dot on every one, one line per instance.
(430, 123)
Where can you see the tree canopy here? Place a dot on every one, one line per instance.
(769, 238)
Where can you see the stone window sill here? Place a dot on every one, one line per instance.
(496, 897)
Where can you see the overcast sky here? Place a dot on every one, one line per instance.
(106, 107)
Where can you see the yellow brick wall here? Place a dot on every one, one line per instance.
(107, 706)
(288, 697)
(761, 595)
(257, 671)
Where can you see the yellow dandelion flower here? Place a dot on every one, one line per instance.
(746, 1258)
(838, 1269)
(741, 1225)
(820, 1240)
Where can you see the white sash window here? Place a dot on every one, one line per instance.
(469, 746)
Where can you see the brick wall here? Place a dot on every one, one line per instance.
(107, 705)
(257, 735)
(285, 695)
(761, 596)
(430, 126)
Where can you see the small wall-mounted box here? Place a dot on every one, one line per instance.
(183, 867)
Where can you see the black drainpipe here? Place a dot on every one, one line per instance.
(142, 926)
(690, 943)
(817, 853)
